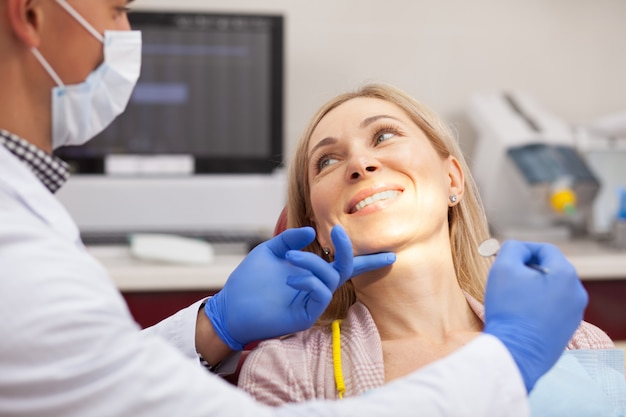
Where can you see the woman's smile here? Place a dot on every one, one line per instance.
(381, 198)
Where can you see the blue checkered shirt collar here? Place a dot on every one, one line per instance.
(50, 169)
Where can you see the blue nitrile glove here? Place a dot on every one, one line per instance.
(278, 289)
(533, 313)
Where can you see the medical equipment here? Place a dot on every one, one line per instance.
(619, 229)
(490, 247)
(603, 143)
(533, 182)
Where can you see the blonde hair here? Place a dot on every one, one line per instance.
(466, 220)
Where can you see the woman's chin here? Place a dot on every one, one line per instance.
(372, 249)
(382, 243)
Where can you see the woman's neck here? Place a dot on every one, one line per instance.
(418, 296)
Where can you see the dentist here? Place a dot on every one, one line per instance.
(69, 345)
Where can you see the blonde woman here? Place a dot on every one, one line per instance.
(392, 174)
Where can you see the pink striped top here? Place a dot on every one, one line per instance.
(299, 367)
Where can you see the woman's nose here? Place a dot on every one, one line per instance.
(362, 167)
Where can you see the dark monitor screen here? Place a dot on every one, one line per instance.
(211, 87)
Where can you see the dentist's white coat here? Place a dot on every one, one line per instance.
(69, 347)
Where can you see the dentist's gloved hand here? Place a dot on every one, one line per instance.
(278, 289)
(533, 313)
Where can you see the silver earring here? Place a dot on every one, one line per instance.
(326, 251)
(453, 198)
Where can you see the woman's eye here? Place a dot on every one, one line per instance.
(325, 161)
(383, 136)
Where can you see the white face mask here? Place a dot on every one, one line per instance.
(81, 111)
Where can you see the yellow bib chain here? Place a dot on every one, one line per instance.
(341, 386)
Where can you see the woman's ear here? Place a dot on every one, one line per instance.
(314, 226)
(318, 237)
(25, 19)
(457, 180)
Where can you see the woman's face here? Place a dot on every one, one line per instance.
(372, 170)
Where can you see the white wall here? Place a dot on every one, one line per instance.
(570, 54)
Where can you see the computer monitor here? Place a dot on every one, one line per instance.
(199, 149)
(210, 92)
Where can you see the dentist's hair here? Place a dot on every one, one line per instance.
(466, 220)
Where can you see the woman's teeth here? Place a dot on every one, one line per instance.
(384, 195)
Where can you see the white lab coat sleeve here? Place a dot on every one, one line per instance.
(480, 379)
(69, 346)
(179, 330)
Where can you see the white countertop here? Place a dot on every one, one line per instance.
(592, 260)
(132, 274)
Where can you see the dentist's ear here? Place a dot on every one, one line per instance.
(25, 18)
(456, 180)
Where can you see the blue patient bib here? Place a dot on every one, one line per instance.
(583, 383)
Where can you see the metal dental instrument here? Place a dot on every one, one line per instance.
(490, 247)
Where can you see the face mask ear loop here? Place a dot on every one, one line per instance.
(80, 20)
(47, 67)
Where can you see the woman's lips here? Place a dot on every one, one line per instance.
(372, 198)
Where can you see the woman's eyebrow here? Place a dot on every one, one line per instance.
(368, 121)
(324, 142)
